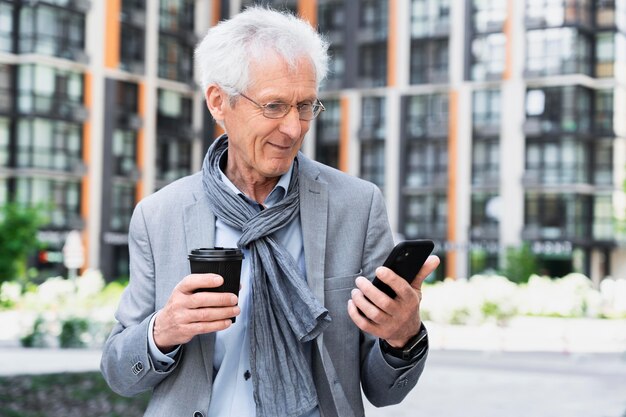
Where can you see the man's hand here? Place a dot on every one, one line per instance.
(394, 320)
(187, 314)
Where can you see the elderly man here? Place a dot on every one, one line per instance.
(311, 330)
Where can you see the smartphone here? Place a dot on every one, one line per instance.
(406, 259)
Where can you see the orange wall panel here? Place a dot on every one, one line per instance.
(112, 37)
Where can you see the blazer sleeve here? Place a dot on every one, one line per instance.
(126, 363)
(382, 383)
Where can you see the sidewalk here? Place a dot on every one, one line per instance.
(523, 334)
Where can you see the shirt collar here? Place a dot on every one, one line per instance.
(274, 197)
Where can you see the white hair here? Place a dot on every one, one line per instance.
(224, 56)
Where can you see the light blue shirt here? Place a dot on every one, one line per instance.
(232, 383)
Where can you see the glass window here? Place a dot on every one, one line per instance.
(174, 115)
(559, 109)
(124, 152)
(430, 17)
(486, 110)
(336, 68)
(429, 61)
(603, 118)
(372, 136)
(49, 30)
(173, 159)
(50, 92)
(6, 26)
(6, 86)
(122, 204)
(373, 65)
(553, 13)
(372, 118)
(327, 133)
(488, 56)
(605, 54)
(603, 218)
(177, 15)
(485, 161)
(132, 48)
(49, 144)
(603, 162)
(175, 59)
(426, 163)
(426, 216)
(557, 51)
(61, 199)
(373, 162)
(5, 141)
(374, 17)
(427, 116)
(557, 216)
(557, 161)
(484, 216)
(331, 17)
(488, 15)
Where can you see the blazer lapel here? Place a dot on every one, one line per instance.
(200, 233)
(314, 221)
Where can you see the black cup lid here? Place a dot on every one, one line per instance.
(216, 253)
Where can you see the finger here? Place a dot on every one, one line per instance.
(202, 299)
(367, 308)
(193, 282)
(374, 296)
(210, 314)
(208, 327)
(398, 284)
(361, 322)
(429, 266)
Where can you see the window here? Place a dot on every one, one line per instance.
(426, 163)
(50, 92)
(429, 61)
(486, 161)
(122, 204)
(286, 5)
(327, 131)
(488, 56)
(557, 161)
(426, 216)
(331, 17)
(373, 65)
(6, 87)
(557, 51)
(49, 30)
(132, 48)
(603, 162)
(174, 115)
(336, 67)
(427, 115)
(173, 159)
(484, 216)
(374, 18)
(556, 216)
(605, 54)
(559, 109)
(61, 198)
(430, 18)
(554, 13)
(603, 117)
(6, 26)
(372, 135)
(49, 144)
(603, 218)
(124, 152)
(488, 15)
(5, 141)
(486, 110)
(177, 15)
(175, 59)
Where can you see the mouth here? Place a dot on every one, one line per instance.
(280, 147)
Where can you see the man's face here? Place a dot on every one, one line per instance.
(265, 147)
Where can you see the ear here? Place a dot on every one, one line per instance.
(216, 101)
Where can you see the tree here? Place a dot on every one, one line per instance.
(520, 263)
(18, 238)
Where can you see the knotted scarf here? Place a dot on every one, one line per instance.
(284, 313)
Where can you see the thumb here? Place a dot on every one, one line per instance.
(429, 266)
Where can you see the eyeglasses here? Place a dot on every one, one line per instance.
(278, 110)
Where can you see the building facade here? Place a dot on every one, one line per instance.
(487, 123)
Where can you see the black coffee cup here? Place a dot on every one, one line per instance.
(222, 261)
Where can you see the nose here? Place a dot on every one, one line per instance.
(291, 124)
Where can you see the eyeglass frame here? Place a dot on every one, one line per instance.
(316, 104)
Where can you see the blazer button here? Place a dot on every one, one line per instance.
(198, 414)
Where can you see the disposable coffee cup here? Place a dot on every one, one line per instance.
(222, 261)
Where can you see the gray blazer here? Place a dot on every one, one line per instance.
(346, 234)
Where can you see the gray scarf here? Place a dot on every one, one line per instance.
(284, 314)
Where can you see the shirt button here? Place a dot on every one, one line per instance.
(198, 414)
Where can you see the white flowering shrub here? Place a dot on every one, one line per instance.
(61, 312)
(495, 298)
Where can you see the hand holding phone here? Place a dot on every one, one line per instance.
(406, 259)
